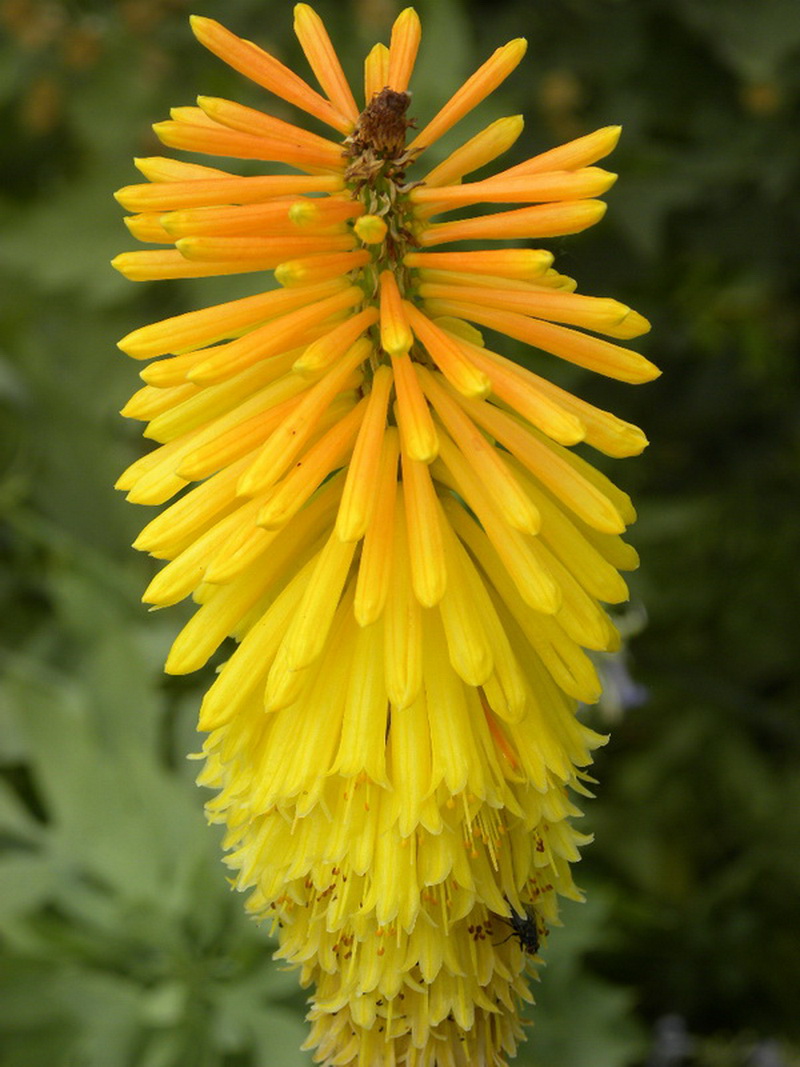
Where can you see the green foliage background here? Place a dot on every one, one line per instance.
(122, 945)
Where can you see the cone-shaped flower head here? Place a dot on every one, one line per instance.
(387, 517)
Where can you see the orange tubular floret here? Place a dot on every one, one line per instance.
(581, 152)
(600, 314)
(459, 370)
(515, 263)
(276, 336)
(164, 169)
(169, 263)
(523, 189)
(193, 329)
(172, 195)
(464, 281)
(417, 432)
(265, 70)
(320, 213)
(543, 220)
(361, 483)
(403, 48)
(236, 220)
(586, 351)
(322, 58)
(332, 346)
(218, 140)
(289, 439)
(273, 250)
(250, 120)
(396, 337)
(308, 270)
(475, 89)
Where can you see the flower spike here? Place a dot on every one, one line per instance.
(388, 519)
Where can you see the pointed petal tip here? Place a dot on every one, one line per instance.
(517, 46)
(635, 325)
(199, 23)
(612, 136)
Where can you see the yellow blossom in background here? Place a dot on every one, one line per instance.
(387, 516)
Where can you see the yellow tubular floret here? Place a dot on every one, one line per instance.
(246, 671)
(375, 568)
(361, 484)
(170, 195)
(478, 151)
(417, 432)
(425, 553)
(289, 438)
(484, 459)
(403, 48)
(402, 620)
(376, 71)
(521, 263)
(461, 372)
(305, 637)
(396, 337)
(164, 169)
(581, 152)
(328, 454)
(517, 551)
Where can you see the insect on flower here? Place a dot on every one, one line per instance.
(524, 927)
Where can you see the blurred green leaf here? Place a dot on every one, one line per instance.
(26, 882)
(579, 1019)
(753, 38)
